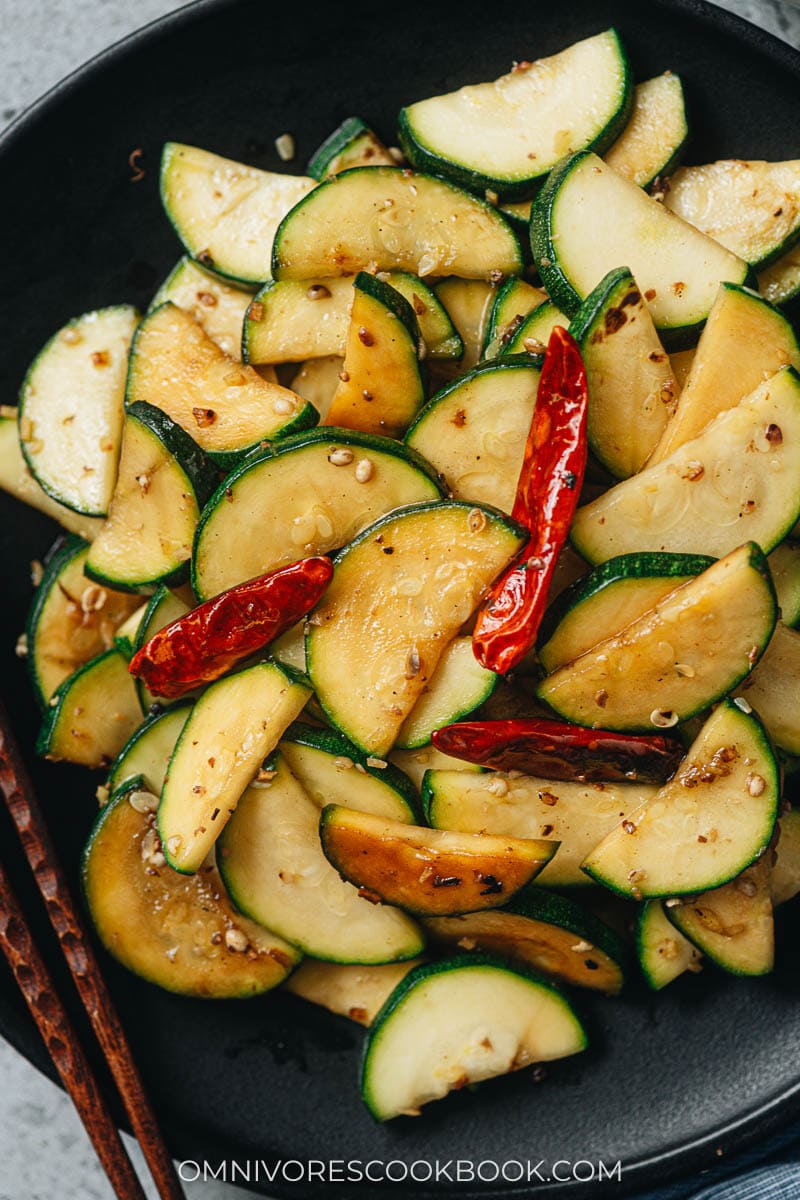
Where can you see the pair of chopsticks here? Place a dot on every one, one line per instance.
(47, 1008)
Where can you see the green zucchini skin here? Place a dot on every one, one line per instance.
(319, 164)
(47, 742)
(652, 922)
(119, 774)
(60, 554)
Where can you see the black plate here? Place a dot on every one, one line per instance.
(711, 1064)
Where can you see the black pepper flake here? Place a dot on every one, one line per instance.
(494, 886)
(388, 549)
(440, 881)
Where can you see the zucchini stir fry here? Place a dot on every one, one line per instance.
(429, 572)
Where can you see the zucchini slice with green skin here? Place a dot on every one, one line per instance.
(457, 687)
(442, 339)
(317, 381)
(71, 619)
(226, 213)
(468, 303)
(164, 606)
(752, 208)
(431, 227)
(352, 144)
(273, 866)
(679, 657)
(744, 342)
(632, 391)
(416, 763)
(413, 579)
(226, 406)
(576, 815)
(292, 320)
(773, 689)
(785, 879)
(71, 408)
(16, 479)
(733, 925)
(330, 769)
(217, 307)
(505, 136)
(382, 386)
(737, 480)
(707, 825)
(92, 714)
(588, 219)
(348, 989)
(780, 283)
(652, 142)
(164, 480)
(534, 332)
(545, 931)
(180, 933)
(474, 430)
(149, 748)
(514, 300)
(664, 953)
(428, 872)
(235, 724)
(125, 635)
(784, 565)
(305, 498)
(608, 599)
(459, 1021)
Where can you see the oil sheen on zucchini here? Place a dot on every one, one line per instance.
(706, 825)
(664, 953)
(652, 142)
(149, 748)
(773, 689)
(508, 134)
(457, 687)
(687, 651)
(218, 307)
(307, 495)
(733, 925)
(91, 715)
(456, 1022)
(738, 480)
(179, 932)
(413, 578)
(352, 990)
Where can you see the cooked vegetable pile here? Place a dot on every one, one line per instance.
(429, 596)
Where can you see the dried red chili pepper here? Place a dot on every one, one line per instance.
(206, 642)
(558, 751)
(547, 496)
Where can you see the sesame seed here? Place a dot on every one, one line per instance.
(340, 457)
(476, 520)
(318, 291)
(365, 469)
(663, 718)
(21, 648)
(756, 784)
(498, 786)
(236, 940)
(143, 802)
(285, 147)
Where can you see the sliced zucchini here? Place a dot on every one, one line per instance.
(91, 715)
(704, 827)
(149, 748)
(608, 599)
(415, 763)
(388, 218)
(733, 925)
(773, 689)
(163, 607)
(519, 214)
(125, 634)
(381, 387)
(457, 687)
(348, 989)
(744, 342)
(534, 332)
(290, 647)
(738, 479)
(469, 304)
(784, 565)
(227, 407)
(71, 620)
(273, 866)
(182, 934)
(297, 319)
(682, 361)
(652, 142)
(514, 300)
(71, 406)
(331, 770)
(224, 212)
(457, 1022)
(304, 496)
(412, 579)
(317, 381)
(780, 283)
(164, 480)
(588, 219)
(508, 134)
(428, 872)
(474, 430)
(785, 879)
(545, 931)
(218, 308)
(352, 144)
(664, 953)
(576, 815)
(752, 208)
(632, 390)
(690, 649)
(234, 725)
(442, 339)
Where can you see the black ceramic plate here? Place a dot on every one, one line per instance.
(711, 1064)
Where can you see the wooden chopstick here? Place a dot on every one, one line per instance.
(36, 985)
(76, 946)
